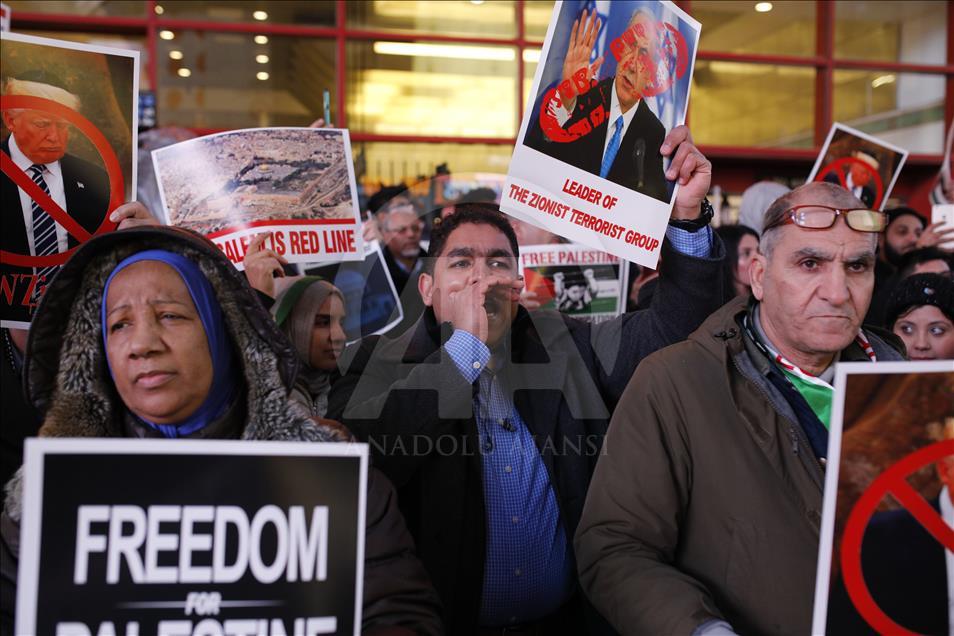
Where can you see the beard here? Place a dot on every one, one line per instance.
(892, 255)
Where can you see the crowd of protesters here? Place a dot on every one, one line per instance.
(533, 473)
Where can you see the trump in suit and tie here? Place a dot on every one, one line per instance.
(37, 146)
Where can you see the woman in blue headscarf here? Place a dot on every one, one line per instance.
(151, 332)
(167, 348)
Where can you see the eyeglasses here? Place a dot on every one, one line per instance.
(822, 217)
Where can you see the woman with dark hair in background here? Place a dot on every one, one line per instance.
(741, 245)
(921, 313)
(311, 313)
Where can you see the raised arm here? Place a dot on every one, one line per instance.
(690, 277)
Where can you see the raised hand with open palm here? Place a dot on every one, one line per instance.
(578, 53)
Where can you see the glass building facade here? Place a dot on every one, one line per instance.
(422, 83)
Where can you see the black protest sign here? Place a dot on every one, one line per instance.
(191, 537)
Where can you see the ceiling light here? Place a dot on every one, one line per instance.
(478, 2)
(462, 52)
(531, 55)
(158, 9)
(175, 55)
(261, 59)
(262, 75)
(167, 35)
(882, 80)
(259, 15)
(261, 39)
(763, 7)
(184, 72)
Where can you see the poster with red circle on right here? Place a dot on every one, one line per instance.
(886, 550)
(866, 166)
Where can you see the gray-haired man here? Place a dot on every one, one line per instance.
(703, 514)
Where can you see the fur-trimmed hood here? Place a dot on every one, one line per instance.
(65, 373)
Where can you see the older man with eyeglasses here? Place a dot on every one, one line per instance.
(400, 230)
(704, 511)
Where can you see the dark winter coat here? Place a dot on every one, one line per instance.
(67, 381)
(406, 397)
(707, 502)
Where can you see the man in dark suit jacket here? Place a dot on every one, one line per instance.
(566, 376)
(635, 162)
(539, 383)
(38, 138)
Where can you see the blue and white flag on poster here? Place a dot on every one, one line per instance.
(587, 164)
(618, 13)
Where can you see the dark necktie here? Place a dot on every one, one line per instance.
(44, 232)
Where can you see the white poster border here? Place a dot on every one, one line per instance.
(266, 226)
(533, 170)
(622, 263)
(36, 450)
(6, 16)
(836, 127)
(832, 466)
(103, 50)
(370, 248)
(134, 128)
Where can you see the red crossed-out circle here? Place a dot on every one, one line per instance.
(117, 187)
(841, 167)
(676, 46)
(671, 42)
(893, 481)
